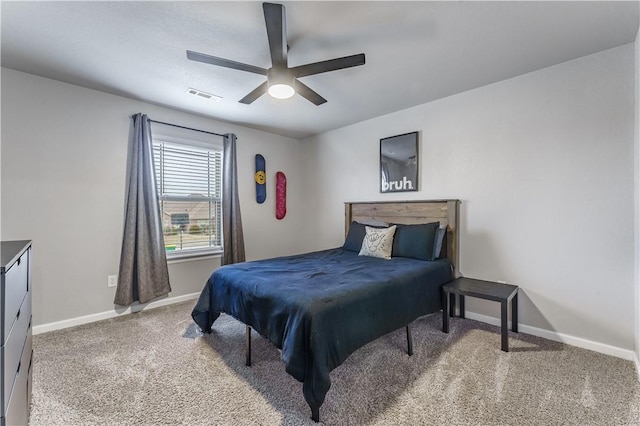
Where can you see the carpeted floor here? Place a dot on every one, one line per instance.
(154, 368)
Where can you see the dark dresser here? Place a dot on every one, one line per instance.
(15, 333)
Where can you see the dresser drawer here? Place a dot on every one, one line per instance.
(13, 351)
(15, 287)
(18, 409)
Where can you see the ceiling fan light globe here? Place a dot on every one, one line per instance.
(281, 91)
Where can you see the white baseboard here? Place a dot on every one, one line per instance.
(58, 325)
(563, 338)
(637, 362)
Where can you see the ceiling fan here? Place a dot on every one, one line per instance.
(282, 81)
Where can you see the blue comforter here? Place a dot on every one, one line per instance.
(320, 307)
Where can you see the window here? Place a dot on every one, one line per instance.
(189, 179)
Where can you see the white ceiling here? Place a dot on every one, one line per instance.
(416, 52)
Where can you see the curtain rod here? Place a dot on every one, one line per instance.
(187, 128)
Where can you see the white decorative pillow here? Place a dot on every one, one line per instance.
(378, 242)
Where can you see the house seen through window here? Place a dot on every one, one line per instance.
(189, 179)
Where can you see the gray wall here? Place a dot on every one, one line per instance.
(64, 154)
(543, 164)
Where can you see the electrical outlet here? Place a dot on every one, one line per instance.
(112, 281)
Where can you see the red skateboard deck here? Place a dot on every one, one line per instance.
(281, 195)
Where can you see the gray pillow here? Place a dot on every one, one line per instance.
(437, 245)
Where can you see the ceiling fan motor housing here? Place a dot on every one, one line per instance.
(280, 76)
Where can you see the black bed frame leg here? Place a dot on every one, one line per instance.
(315, 414)
(247, 347)
(409, 342)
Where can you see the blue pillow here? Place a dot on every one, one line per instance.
(415, 241)
(356, 234)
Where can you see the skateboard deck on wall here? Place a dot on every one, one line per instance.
(281, 195)
(261, 179)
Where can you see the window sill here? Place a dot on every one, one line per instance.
(190, 257)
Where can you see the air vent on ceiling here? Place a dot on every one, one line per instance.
(203, 95)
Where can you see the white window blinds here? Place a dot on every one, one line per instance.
(189, 180)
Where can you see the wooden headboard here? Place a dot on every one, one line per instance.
(411, 212)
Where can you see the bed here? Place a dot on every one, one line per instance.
(320, 307)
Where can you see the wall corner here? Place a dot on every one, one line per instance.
(636, 151)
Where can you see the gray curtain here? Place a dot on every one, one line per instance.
(231, 218)
(143, 273)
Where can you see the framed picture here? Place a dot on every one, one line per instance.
(399, 163)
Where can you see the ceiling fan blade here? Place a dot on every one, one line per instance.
(255, 94)
(275, 19)
(307, 93)
(214, 60)
(330, 65)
